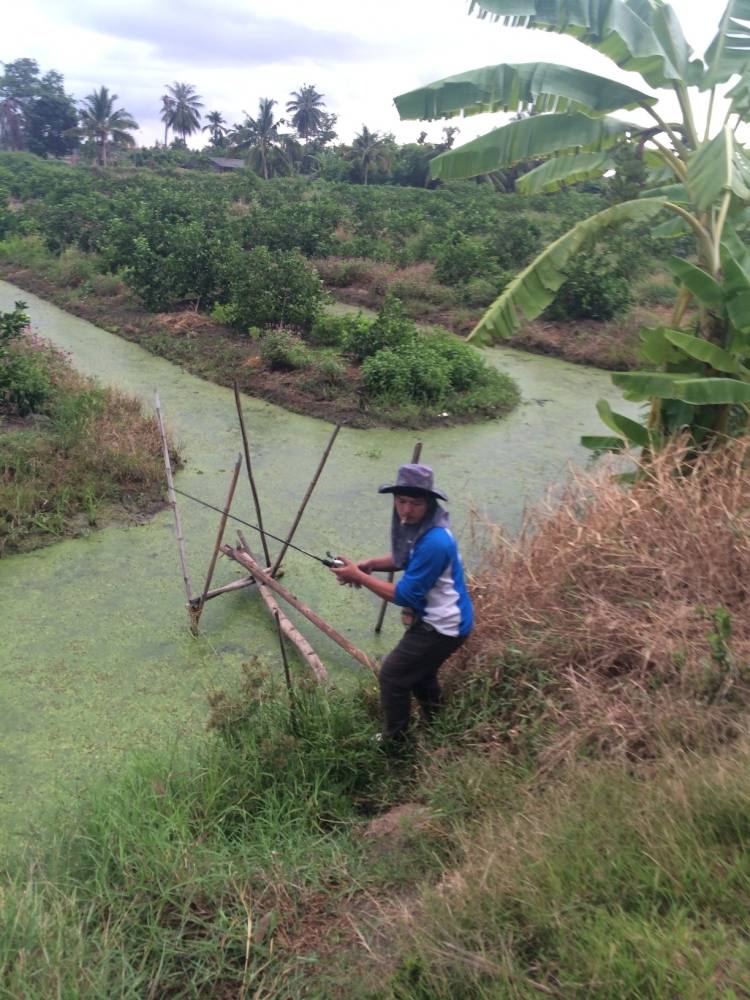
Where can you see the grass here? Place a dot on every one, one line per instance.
(87, 454)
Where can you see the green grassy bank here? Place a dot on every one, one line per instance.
(73, 455)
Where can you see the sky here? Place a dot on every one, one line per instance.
(359, 55)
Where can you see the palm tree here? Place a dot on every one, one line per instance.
(370, 149)
(101, 122)
(167, 111)
(268, 150)
(215, 126)
(308, 115)
(186, 116)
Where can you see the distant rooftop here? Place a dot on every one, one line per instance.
(225, 163)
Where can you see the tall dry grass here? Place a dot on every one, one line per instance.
(628, 608)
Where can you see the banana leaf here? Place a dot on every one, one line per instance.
(631, 430)
(639, 43)
(718, 166)
(655, 346)
(703, 350)
(532, 290)
(561, 170)
(529, 139)
(537, 86)
(713, 391)
(640, 386)
(596, 442)
(699, 283)
(729, 52)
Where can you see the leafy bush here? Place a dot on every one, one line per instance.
(390, 329)
(413, 371)
(24, 383)
(513, 245)
(597, 289)
(283, 350)
(12, 324)
(330, 330)
(459, 260)
(480, 292)
(267, 287)
(466, 366)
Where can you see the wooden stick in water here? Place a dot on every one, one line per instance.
(197, 611)
(245, 581)
(415, 456)
(304, 648)
(173, 504)
(245, 560)
(248, 466)
(301, 511)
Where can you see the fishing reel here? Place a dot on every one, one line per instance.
(332, 562)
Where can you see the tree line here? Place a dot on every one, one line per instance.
(38, 116)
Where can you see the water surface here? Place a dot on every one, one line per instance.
(95, 656)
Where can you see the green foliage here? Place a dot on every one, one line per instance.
(24, 383)
(391, 329)
(327, 376)
(266, 287)
(12, 324)
(330, 330)
(283, 350)
(412, 371)
(595, 288)
(459, 260)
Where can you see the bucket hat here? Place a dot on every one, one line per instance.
(413, 480)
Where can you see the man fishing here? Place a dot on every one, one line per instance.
(436, 607)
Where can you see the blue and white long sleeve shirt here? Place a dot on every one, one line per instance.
(433, 584)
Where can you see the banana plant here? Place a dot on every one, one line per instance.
(701, 184)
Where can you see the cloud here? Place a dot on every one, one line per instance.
(224, 35)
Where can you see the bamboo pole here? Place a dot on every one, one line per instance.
(246, 581)
(197, 610)
(301, 511)
(245, 560)
(415, 456)
(287, 674)
(304, 648)
(173, 504)
(248, 466)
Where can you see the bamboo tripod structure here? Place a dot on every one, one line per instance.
(264, 578)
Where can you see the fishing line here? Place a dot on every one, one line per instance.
(326, 562)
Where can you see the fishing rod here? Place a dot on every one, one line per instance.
(331, 561)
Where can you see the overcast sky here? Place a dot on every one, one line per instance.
(360, 55)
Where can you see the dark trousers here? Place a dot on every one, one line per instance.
(412, 668)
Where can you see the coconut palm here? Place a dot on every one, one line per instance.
(216, 128)
(104, 124)
(269, 151)
(167, 110)
(700, 176)
(186, 117)
(370, 149)
(308, 114)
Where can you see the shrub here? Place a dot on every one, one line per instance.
(390, 329)
(268, 287)
(413, 371)
(283, 350)
(24, 382)
(596, 290)
(73, 267)
(514, 245)
(480, 292)
(329, 330)
(460, 259)
(467, 368)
